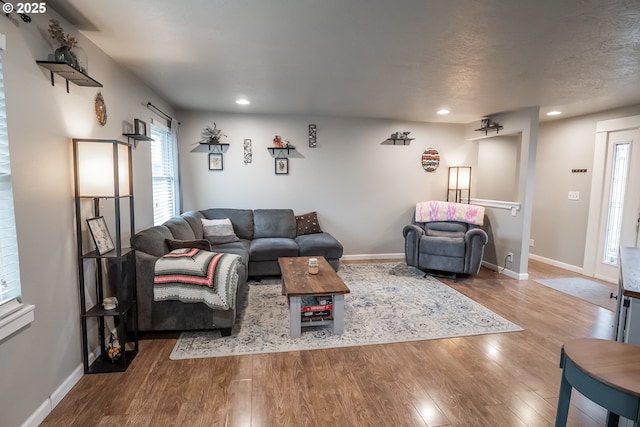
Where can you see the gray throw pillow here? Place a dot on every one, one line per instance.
(219, 231)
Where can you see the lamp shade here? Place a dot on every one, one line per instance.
(459, 180)
(95, 172)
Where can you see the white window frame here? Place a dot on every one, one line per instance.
(14, 315)
(164, 166)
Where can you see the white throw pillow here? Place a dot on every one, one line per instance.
(219, 231)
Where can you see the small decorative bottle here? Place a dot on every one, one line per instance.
(313, 265)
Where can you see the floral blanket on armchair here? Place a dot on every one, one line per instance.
(446, 211)
(194, 275)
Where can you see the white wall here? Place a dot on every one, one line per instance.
(559, 225)
(363, 190)
(41, 122)
(497, 169)
(508, 233)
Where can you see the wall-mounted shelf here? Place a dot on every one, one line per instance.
(68, 73)
(281, 151)
(136, 138)
(404, 141)
(488, 126)
(216, 147)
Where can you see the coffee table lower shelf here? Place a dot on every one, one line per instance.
(296, 323)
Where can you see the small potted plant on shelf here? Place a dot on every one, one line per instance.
(66, 42)
(211, 135)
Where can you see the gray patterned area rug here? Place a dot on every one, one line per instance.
(389, 302)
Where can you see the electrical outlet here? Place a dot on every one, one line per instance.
(510, 257)
(531, 242)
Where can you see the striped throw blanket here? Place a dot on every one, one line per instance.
(194, 275)
(446, 211)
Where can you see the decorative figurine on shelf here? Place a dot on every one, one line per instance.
(64, 53)
(277, 142)
(400, 135)
(487, 124)
(212, 135)
(114, 348)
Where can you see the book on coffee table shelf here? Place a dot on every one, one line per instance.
(316, 309)
(315, 319)
(316, 313)
(316, 304)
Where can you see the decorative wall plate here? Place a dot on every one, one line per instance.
(101, 109)
(430, 159)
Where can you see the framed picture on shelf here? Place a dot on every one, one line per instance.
(140, 127)
(100, 234)
(282, 166)
(127, 128)
(215, 162)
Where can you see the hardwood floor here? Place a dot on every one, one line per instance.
(509, 379)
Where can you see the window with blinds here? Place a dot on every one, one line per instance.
(9, 263)
(163, 173)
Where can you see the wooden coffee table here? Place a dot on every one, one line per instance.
(298, 283)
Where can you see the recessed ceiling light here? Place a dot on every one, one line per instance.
(554, 113)
(243, 101)
(443, 111)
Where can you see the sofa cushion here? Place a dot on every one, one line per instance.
(272, 248)
(239, 247)
(319, 244)
(180, 228)
(194, 220)
(203, 244)
(274, 223)
(242, 220)
(219, 231)
(307, 224)
(152, 239)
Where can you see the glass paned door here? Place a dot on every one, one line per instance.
(620, 165)
(620, 202)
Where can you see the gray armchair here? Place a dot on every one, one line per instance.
(442, 247)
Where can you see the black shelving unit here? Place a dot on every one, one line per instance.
(114, 270)
(68, 73)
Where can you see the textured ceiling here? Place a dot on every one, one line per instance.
(400, 59)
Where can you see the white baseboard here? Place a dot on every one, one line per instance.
(58, 394)
(364, 257)
(509, 273)
(555, 263)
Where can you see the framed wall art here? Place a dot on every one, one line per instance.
(313, 134)
(248, 152)
(100, 234)
(282, 166)
(140, 127)
(216, 162)
(430, 159)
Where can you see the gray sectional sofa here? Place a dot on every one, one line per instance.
(263, 235)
